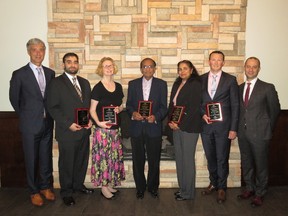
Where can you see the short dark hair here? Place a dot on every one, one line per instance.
(69, 55)
(141, 64)
(254, 58)
(217, 52)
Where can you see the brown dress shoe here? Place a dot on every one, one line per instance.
(221, 196)
(257, 201)
(48, 194)
(207, 191)
(36, 199)
(245, 195)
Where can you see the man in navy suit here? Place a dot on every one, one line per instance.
(27, 97)
(67, 93)
(146, 132)
(259, 109)
(219, 87)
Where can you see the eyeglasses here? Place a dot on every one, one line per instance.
(148, 66)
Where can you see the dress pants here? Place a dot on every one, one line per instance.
(152, 146)
(73, 162)
(254, 163)
(217, 149)
(185, 147)
(38, 157)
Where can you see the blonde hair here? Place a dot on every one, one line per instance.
(99, 69)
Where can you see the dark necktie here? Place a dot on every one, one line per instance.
(77, 88)
(246, 98)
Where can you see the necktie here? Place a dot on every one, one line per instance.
(77, 88)
(246, 98)
(213, 85)
(41, 81)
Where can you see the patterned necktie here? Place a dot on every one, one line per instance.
(213, 86)
(246, 98)
(77, 88)
(41, 81)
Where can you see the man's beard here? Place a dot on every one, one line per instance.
(67, 70)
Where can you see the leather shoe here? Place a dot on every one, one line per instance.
(87, 190)
(245, 195)
(36, 199)
(68, 201)
(221, 196)
(154, 193)
(180, 198)
(140, 195)
(207, 191)
(257, 201)
(177, 193)
(48, 194)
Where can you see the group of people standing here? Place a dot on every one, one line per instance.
(249, 112)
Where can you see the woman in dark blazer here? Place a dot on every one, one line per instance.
(186, 93)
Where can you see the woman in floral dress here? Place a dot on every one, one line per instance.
(107, 168)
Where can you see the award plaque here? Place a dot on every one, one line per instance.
(108, 114)
(145, 108)
(214, 111)
(82, 116)
(177, 114)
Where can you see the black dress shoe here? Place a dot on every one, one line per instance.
(68, 201)
(140, 195)
(180, 198)
(108, 198)
(87, 190)
(154, 193)
(177, 193)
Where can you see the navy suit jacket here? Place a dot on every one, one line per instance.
(27, 100)
(260, 116)
(227, 94)
(158, 94)
(62, 100)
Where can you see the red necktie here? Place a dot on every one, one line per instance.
(246, 98)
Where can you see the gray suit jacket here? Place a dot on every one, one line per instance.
(62, 100)
(26, 98)
(260, 116)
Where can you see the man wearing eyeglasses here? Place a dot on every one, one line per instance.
(147, 107)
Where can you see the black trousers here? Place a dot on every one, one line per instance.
(73, 162)
(152, 147)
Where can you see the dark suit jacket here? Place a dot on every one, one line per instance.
(158, 94)
(62, 100)
(26, 98)
(261, 113)
(190, 97)
(227, 94)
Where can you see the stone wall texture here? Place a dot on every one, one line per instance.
(167, 31)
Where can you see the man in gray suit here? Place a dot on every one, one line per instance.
(67, 93)
(27, 95)
(259, 108)
(222, 88)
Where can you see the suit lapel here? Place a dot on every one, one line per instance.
(34, 82)
(69, 85)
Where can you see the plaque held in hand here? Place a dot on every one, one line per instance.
(214, 112)
(109, 114)
(177, 114)
(82, 116)
(145, 108)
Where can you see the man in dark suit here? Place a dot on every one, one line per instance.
(27, 97)
(219, 87)
(146, 132)
(65, 95)
(259, 108)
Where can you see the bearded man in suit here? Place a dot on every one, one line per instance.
(259, 109)
(27, 95)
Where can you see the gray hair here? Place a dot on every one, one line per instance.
(34, 41)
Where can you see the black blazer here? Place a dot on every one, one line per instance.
(158, 94)
(190, 97)
(62, 100)
(26, 98)
(227, 94)
(261, 113)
